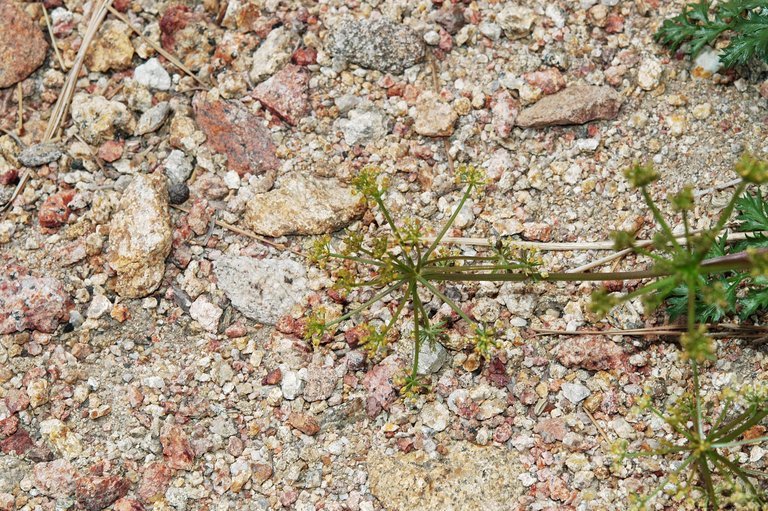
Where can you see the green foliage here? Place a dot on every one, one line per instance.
(704, 278)
(710, 435)
(745, 20)
(741, 293)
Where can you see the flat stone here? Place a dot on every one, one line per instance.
(262, 289)
(303, 206)
(593, 353)
(431, 357)
(321, 382)
(435, 416)
(379, 43)
(31, 303)
(575, 105)
(466, 477)
(575, 392)
(40, 154)
(304, 422)
(151, 120)
(177, 449)
(433, 117)
(240, 135)
(273, 53)
(363, 126)
(286, 94)
(516, 20)
(22, 44)
(140, 236)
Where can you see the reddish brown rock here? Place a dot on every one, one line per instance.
(16, 400)
(31, 303)
(111, 150)
(304, 422)
(22, 44)
(548, 80)
(575, 105)
(55, 479)
(157, 476)
(240, 135)
(304, 56)
(614, 23)
(177, 448)
(286, 93)
(97, 493)
(551, 430)
(55, 210)
(593, 353)
(128, 504)
(8, 426)
(378, 383)
(273, 377)
(19, 442)
(261, 472)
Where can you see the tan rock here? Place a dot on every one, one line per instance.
(303, 206)
(97, 119)
(140, 236)
(467, 477)
(575, 105)
(112, 48)
(434, 118)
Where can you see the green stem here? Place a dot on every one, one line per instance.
(361, 260)
(725, 215)
(398, 311)
(448, 224)
(367, 304)
(751, 441)
(445, 299)
(660, 219)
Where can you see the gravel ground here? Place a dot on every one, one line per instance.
(151, 351)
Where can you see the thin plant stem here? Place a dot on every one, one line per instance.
(449, 223)
(367, 304)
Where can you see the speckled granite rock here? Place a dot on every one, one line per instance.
(467, 478)
(140, 236)
(303, 206)
(22, 44)
(377, 44)
(263, 290)
(575, 105)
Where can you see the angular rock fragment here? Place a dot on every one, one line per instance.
(31, 303)
(303, 206)
(262, 289)
(22, 44)
(240, 135)
(96, 493)
(380, 44)
(177, 450)
(575, 105)
(140, 236)
(112, 48)
(286, 94)
(274, 52)
(434, 118)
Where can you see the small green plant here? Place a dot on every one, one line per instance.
(404, 264)
(746, 21)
